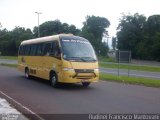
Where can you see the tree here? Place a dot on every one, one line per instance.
(140, 35)
(55, 27)
(153, 24)
(10, 40)
(93, 29)
(130, 32)
(153, 36)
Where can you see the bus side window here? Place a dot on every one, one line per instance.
(27, 50)
(22, 50)
(39, 50)
(55, 50)
(33, 49)
(47, 48)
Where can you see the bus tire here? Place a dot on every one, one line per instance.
(85, 84)
(27, 73)
(54, 79)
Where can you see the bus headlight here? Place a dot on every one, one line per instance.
(68, 69)
(96, 70)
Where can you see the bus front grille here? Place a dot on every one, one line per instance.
(84, 75)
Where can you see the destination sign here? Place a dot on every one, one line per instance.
(76, 41)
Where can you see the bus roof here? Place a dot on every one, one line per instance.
(43, 39)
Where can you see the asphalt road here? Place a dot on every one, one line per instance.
(103, 97)
(155, 75)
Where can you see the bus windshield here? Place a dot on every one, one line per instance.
(77, 49)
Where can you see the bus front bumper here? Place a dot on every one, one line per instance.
(72, 77)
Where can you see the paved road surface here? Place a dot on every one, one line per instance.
(102, 97)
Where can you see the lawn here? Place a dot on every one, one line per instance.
(131, 67)
(9, 57)
(131, 80)
(9, 65)
(105, 59)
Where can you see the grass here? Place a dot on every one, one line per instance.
(9, 57)
(131, 67)
(9, 65)
(131, 80)
(105, 59)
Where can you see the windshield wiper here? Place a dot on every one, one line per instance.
(84, 59)
(76, 59)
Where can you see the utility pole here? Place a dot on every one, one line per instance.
(38, 13)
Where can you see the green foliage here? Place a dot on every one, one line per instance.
(9, 65)
(9, 57)
(130, 32)
(131, 80)
(10, 40)
(55, 27)
(93, 30)
(105, 59)
(140, 35)
(131, 67)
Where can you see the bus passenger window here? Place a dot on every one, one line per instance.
(27, 50)
(33, 49)
(39, 49)
(22, 50)
(47, 48)
(55, 50)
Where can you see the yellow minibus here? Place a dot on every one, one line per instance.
(62, 58)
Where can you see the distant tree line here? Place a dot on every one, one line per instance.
(10, 40)
(140, 35)
(93, 30)
(136, 33)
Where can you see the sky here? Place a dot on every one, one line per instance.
(22, 12)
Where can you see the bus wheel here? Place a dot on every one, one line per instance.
(54, 80)
(85, 84)
(27, 73)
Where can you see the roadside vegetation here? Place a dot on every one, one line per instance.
(106, 62)
(131, 67)
(131, 80)
(9, 65)
(9, 57)
(105, 59)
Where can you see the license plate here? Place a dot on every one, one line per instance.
(84, 80)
